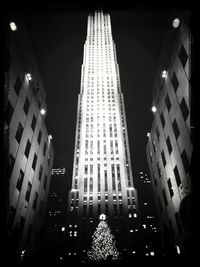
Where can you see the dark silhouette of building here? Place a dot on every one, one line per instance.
(170, 145)
(27, 147)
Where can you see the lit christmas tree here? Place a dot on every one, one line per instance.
(103, 243)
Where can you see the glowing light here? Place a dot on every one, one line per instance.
(130, 188)
(74, 190)
(176, 22)
(164, 74)
(42, 111)
(28, 76)
(153, 109)
(148, 134)
(13, 26)
(63, 229)
(50, 137)
(102, 217)
(178, 250)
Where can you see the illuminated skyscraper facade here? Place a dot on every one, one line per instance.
(102, 176)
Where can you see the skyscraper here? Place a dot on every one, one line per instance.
(102, 177)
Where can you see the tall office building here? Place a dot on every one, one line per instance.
(102, 176)
(27, 144)
(169, 146)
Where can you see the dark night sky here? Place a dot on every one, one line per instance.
(58, 40)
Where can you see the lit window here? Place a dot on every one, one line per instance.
(13, 26)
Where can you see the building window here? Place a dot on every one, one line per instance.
(164, 197)
(168, 103)
(85, 184)
(158, 168)
(158, 133)
(169, 146)
(170, 187)
(177, 176)
(185, 161)
(45, 182)
(26, 105)
(40, 173)
(162, 119)
(18, 84)
(118, 178)
(28, 191)
(35, 200)
(113, 176)
(106, 180)
(11, 162)
(33, 123)
(184, 109)
(154, 145)
(91, 184)
(175, 82)
(19, 132)
(44, 148)
(34, 161)
(20, 180)
(8, 112)
(163, 158)
(183, 56)
(175, 129)
(27, 149)
(39, 137)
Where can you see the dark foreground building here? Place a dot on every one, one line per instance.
(169, 147)
(28, 151)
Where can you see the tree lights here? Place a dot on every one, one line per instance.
(103, 243)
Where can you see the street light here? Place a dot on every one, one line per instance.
(42, 111)
(164, 74)
(13, 26)
(153, 109)
(28, 76)
(176, 23)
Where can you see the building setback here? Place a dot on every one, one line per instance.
(102, 177)
(169, 147)
(27, 143)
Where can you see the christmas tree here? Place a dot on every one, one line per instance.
(103, 243)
